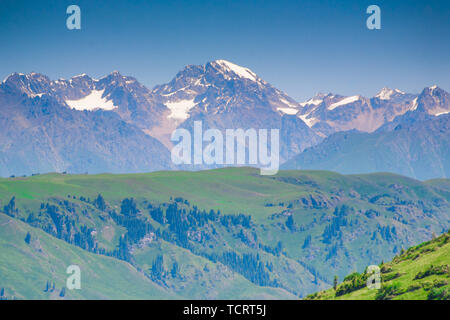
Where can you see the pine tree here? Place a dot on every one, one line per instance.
(307, 242)
(62, 293)
(335, 282)
(100, 203)
(158, 267)
(290, 223)
(28, 238)
(175, 270)
(10, 209)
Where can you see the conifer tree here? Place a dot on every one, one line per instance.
(28, 238)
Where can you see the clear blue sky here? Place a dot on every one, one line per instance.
(301, 47)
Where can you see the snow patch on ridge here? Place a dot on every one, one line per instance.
(309, 121)
(179, 109)
(343, 102)
(92, 101)
(313, 101)
(414, 104)
(288, 110)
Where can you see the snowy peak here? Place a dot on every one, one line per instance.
(433, 90)
(80, 92)
(319, 98)
(228, 67)
(387, 93)
(30, 84)
(434, 101)
(220, 86)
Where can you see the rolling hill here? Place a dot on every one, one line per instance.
(230, 233)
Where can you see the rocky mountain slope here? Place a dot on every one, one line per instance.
(115, 124)
(416, 144)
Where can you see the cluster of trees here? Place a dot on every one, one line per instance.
(63, 226)
(50, 287)
(351, 283)
(178, 222)
(276, 250)
(290, 224)
(249, 265)
(386, 233)
(339, 220)
(158, 272)
(181, 219)
(234, 220)
(10, 209)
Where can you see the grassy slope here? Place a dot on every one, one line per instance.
(203, 279)
(25, 268)
(407, 265)
(232, 190)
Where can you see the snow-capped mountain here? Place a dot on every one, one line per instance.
(416, 142)
(45, 127)
(387, 93)
(224, 95)
(433, 101)
(220, 87)
(117, 124)
(419, 149)
(124, 95)
(331, 113)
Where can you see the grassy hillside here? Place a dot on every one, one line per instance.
(232, 231)
(422, 272)
(25, 268)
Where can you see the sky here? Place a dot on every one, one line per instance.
(300, 47)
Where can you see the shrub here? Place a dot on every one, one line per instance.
(439, 294)
(387, 292)
(391, 276)
(413, 287)
(432, 270)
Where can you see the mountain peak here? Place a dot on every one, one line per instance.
(116, 73)
(432, 88)
(386, 93)
(14, 75)
(228, 67)
(29, 84)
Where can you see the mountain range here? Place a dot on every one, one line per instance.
(115, 124)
